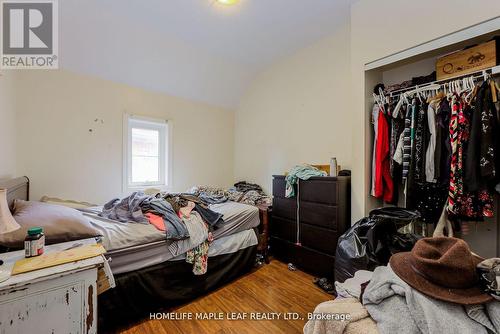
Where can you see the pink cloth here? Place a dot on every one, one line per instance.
(156, 221)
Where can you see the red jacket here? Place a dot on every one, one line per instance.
(384, 186)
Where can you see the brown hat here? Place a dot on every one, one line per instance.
(442, 268)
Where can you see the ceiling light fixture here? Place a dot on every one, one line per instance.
(227, 2)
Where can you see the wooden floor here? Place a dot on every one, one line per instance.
(271, 288)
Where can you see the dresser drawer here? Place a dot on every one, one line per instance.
(284, 229)
(318, 238)
(283, 250)
(314, 262)
(319, 215)
(319, 191)
(279, 186)
(306, 259)
(285, 208)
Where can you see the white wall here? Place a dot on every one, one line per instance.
(381, 28)
(7, 125)
(298, 111)
(305, 108)
(56, 109)
(406, 72)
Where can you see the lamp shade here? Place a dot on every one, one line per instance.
(7, 222)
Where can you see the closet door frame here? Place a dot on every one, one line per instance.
(483, 235)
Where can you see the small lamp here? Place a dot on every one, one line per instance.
(7, 224)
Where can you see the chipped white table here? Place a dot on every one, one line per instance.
(57, 300)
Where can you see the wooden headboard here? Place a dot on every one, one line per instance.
(18, 188)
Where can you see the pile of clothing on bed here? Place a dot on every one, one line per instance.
(241, 192)
(439, 287)
(180, 216)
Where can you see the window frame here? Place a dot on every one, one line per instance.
(164, 129)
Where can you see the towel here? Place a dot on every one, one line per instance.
(303, 172)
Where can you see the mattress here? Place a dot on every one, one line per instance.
(142, 256)
(237, 217)
(117, 235)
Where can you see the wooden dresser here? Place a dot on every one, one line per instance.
(59, 300)
(304, 229)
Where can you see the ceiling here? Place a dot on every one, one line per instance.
(195, 49)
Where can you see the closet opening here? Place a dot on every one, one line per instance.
(414, 76)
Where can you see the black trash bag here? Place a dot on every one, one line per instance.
(371, 241)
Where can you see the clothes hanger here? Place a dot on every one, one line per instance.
(465, 84)
(383, 98)
(418, 92)
(472, 92)
(381, 93)
(405, 97)
(449, 91)
(377, 101)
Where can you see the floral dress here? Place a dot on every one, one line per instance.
(198, 256)
(462, 204)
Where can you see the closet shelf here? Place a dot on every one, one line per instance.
(492, 71)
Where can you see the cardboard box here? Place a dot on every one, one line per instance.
(468, 61)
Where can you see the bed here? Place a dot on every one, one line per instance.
(149, 278)
(135, 246)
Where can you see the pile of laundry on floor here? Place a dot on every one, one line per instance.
(438, 287)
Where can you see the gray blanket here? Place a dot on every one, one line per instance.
(398, 308)
(127, 209)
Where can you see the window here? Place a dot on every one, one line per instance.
(146, 153)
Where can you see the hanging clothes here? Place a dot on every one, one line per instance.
(384, 187)
(396, 132)
(489, 157)
(421, 135)
(426, 197)
(461, 203)
(455, 187)
(409, 155)
(407, 141)
(430, 199)
(375, 112)
(442, 162)
(397, 127)
(444, 149)
(198, 256)
(481, 168)
(430, 166)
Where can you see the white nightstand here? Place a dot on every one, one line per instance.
(57, 300)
